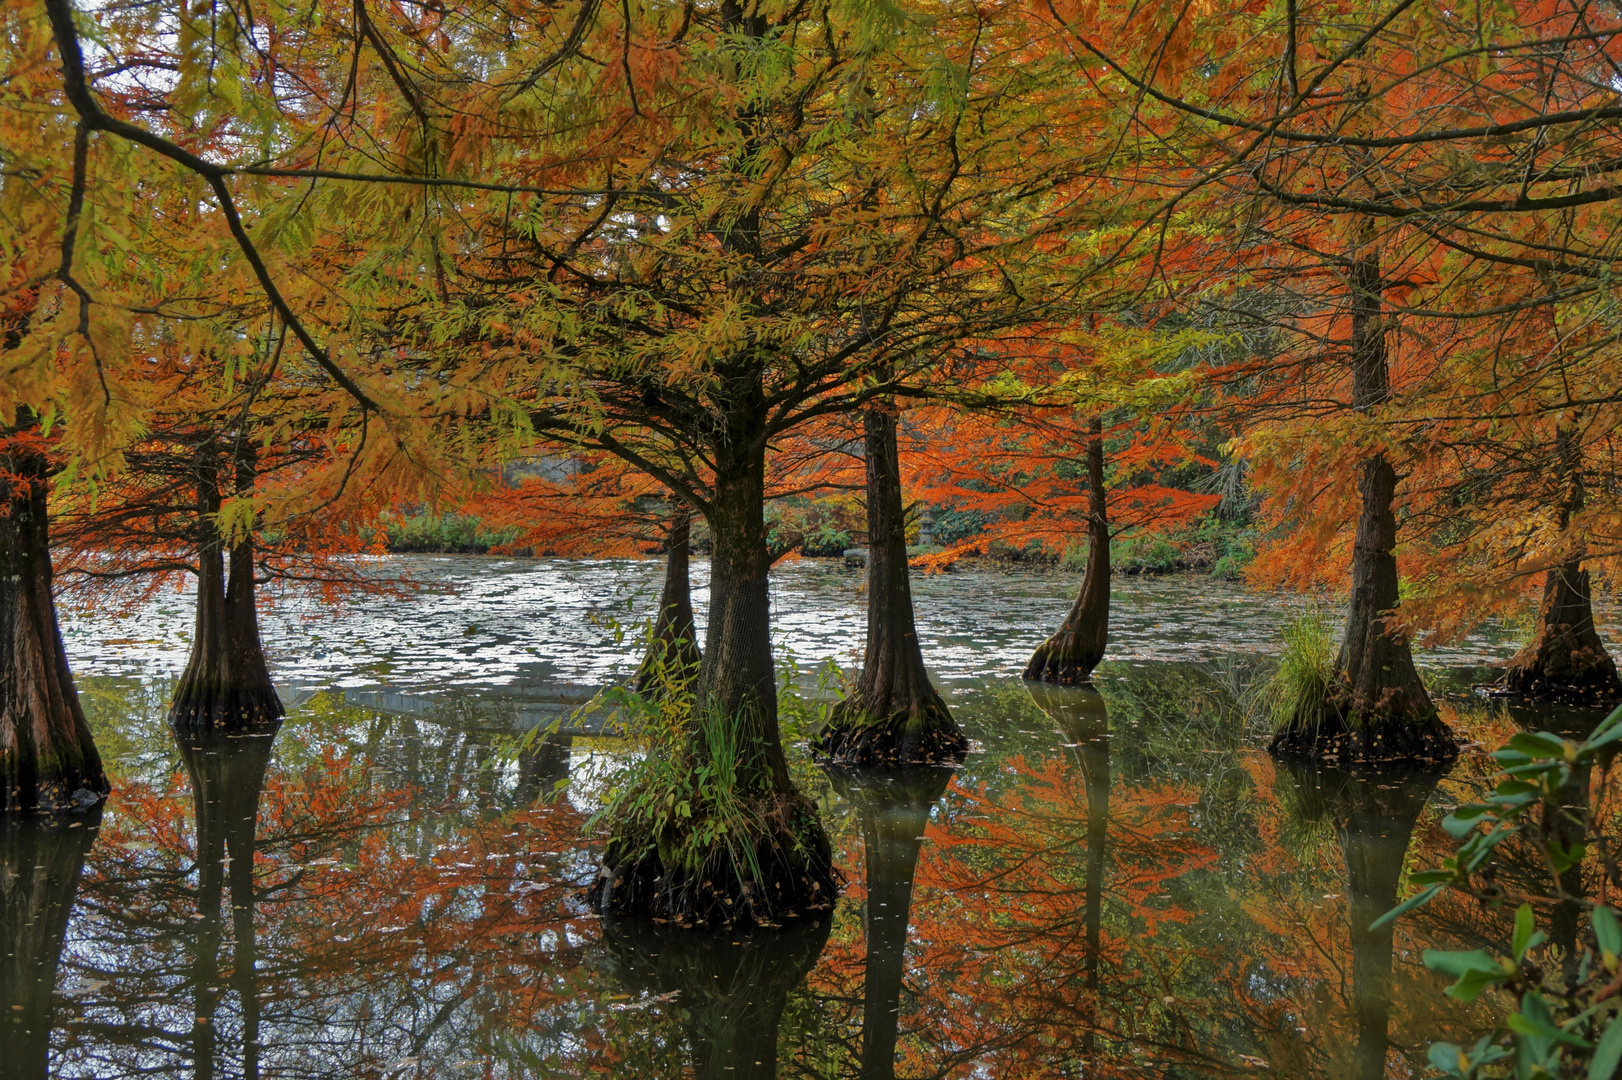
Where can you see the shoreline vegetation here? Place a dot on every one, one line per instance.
(1215, 546)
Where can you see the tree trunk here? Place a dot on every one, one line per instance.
(673, 657)
(48, 760)
(788, 872)
(732, 988)
(1566, 661)
(894, 808)
(1378, 708)
(40, 865)
(1070, 655)
(226, 685)
(227, 776)
(895, 715)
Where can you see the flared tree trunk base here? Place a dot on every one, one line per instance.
(1566, 663)
(785, 875)
(1060, 660)
(197, 710)
(855, 739)
(1374, 739)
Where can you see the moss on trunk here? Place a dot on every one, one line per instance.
(894, 716)
(48, 760)
(1377, 708)
(773, 863)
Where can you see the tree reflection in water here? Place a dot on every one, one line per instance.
(41, 860)
(1373, 814)
(729, 989)
(227, 774)
(1127, 892)
(893, 807)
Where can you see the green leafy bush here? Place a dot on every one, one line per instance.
(1560, 1015)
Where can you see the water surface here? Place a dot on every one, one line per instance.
(1116, 882)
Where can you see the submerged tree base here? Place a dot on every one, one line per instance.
(1337, 734)
(853, 739)
(783, 874)
(195, 711)
(1060, 660)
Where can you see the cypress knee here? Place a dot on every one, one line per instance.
(673, 656)
(894, 715)
(226, 684)
(1377, 708)
(1070, 655)
(48, 760)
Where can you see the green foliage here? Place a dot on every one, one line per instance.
(1297, 692)
(445, 533)
(1562, 1009)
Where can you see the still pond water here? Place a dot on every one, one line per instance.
(1117, 882)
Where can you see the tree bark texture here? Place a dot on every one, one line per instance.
(1565, 661)
(1070, 655)
(41, 860)
(48, 760)
(226, 684)
(673, 654)
(227, 774)
(1379, 709)
(895, 715)
(789, 872)
(894, 807)
(732, 987)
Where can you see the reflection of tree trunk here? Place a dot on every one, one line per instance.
(1379, 709)
(1566, 825)
(730, 988)
(40, 863)
(1080, 714)
(894, 715)
(227, 775)
(226, 685)
(543, 767)
(673, 647)
(894, 809)
(1070, 655)
(47, 757)
(1374, 817)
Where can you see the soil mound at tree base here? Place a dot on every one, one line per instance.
(852, 739)
(1374, 740)
(782, 876)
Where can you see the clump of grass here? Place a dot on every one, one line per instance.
(1297, 694)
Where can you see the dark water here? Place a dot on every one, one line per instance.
(1116, 882)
